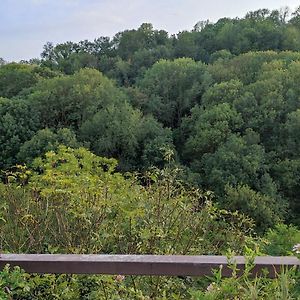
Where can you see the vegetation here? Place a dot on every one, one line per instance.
(154, 144)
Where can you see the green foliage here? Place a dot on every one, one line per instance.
(121, 132)
(2, 61)
(221, 55)
(46, 140)
(68, 57)
(281, 240)
(224, 92)
(185, 45)
(235, 161)
(68, 101)
(241, 286)
(16, 77)
(173, 88)
(76, 202)
(220, 101)
(113, 132)
(73, 201)
(262, 208)
(130, 41)
(12, 282)
(18, 124)
(233, 121)
(154, 142)
(292, 130)
(287, 174)
(209, 128)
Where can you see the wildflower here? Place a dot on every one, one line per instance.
(296, 248)
(119, 278)
(211, 287)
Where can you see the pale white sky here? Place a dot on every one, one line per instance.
(26, 25)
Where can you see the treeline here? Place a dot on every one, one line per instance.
(127, 55)
(220, 102)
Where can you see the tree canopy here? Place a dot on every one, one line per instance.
(222, 100)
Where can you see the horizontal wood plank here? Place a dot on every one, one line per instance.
(165, 265)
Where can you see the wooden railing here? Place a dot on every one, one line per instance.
(164, 265)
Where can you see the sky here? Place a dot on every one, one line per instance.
(26, 25)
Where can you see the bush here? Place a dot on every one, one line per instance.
(281, 239)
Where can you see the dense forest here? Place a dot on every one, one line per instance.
(154, 143)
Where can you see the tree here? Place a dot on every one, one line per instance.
(130, 41)
(70, 57)
(44, 141)
(234, 162)
(121, 132)
(68, 101)
(185, 45)
(281, 240)
(173, 88)
(295, 20)
(292, 134)
(286, 173)
(2, 61)
(155, 142)
(224, 92)
(18, 124)
(16, 77)
(221, 55)
(207, 129)
(262, 208)
(113, 132)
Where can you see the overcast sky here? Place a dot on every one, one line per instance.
(26, 25)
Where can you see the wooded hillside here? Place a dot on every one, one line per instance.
(111, 145)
